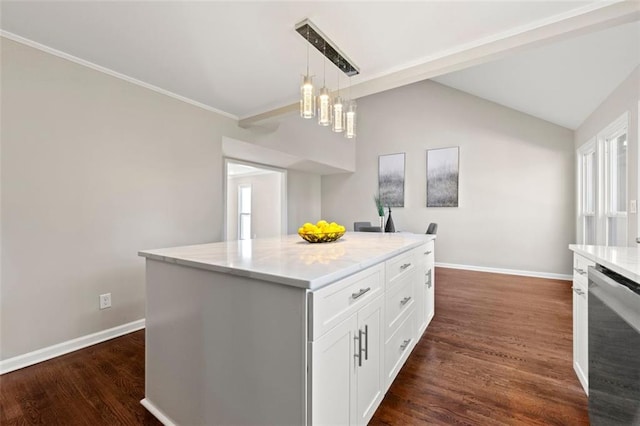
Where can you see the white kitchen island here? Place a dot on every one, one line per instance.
(281, 331)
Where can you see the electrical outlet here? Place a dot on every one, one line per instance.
(105, 301)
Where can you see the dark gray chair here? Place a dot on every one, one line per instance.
(358, 225)
(370, 229)
(432, 229)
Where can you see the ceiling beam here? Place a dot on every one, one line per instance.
(594, 17)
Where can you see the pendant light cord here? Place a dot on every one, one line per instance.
(324, 65)
(307, 51)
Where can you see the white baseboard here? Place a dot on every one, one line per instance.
(163, 418)
(30, 358)
(535, 274)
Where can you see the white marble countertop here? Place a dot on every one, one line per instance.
(290, 260)
(623, 260)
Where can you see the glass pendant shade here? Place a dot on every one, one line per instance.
(338, 115)
(324, 107)
(350, 120)
(307, 98)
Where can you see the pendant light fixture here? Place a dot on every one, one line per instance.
(338, 113)
(337, 109)
(324, 97)
(307, 97)
(350, 117)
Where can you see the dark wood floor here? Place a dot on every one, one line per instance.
(498, 352)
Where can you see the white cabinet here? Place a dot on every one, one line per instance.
(425, 286)
(348, 380)
(362, 330)
(347, 363)
(333, 384)
(581, 319)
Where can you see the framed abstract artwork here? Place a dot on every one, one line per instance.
(442, 177)
(391, 179)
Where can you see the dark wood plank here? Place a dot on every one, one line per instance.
(99, 385)
(498, 352)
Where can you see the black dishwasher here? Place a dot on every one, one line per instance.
(614, 349)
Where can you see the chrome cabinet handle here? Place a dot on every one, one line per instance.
(580, 271)
(428, 252)
(360, 293)
(405, 300)
(361, 333)
(366, 342)
(578, 291)
(404, 344)
(428, 274)
(405, 266)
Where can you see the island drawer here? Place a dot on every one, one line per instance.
(334, 303)
(398, 347)
(400, 266)
(426, 254)
(580, 268)
(398, 300)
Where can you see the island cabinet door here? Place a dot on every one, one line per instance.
(425, 286)
(370, 376)
(333, 375)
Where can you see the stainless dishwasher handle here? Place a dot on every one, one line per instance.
(360, 293)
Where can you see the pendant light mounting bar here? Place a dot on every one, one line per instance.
(325, 46)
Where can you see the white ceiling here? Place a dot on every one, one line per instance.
(244, 58)
(563, 82)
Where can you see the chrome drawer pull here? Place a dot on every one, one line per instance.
(580, 271)
(360, 293)
(404, 344)
(578, 291)
(405, 300)
(366, 342)
(405, 266)
(428, 252)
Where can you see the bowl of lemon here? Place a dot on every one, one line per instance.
(321, 232)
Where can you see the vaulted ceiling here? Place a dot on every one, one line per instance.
(245, 58)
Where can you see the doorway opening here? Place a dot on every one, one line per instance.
(255, 200)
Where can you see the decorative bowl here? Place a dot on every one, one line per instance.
(319, 237)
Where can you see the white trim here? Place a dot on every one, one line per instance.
(44, 354)
(158, 414)
(548, 275)
(111, 72)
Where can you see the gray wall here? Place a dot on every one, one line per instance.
(303, 195)
(94, 169)
(624, 99)
(516, 177)
(266, 204)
